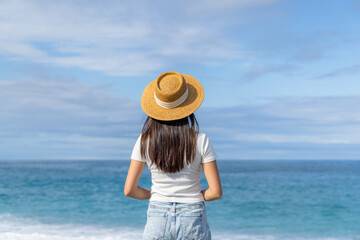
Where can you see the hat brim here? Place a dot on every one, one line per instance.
(189, 106)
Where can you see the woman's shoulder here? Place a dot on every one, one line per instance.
(202, 137)
(205, 147)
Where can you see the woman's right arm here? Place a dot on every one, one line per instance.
(212, 176)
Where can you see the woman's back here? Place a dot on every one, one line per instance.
(183, 186)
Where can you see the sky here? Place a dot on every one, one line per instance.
(281, 78)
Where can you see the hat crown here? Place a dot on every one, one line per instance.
(170, 86)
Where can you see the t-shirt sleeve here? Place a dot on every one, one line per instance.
(136, 151)
(208, 151)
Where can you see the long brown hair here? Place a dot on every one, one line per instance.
(167, 143)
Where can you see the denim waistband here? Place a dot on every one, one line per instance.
(177, 205)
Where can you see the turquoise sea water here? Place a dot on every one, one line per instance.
(261, 200)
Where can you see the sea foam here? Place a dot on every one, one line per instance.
(16, 228)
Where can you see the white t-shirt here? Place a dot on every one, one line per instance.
(183, 186)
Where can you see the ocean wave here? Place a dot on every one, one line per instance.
(16, 228)
(234, 236)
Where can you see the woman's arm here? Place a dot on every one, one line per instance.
(212, 176)
(131, 188)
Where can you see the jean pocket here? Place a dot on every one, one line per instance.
(193, 224)
(156, 224)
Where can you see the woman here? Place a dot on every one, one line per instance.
(174, 150)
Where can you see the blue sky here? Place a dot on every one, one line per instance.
(281, 78)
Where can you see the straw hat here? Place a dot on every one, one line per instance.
(172, 96)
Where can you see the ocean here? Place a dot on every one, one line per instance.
(63, 200)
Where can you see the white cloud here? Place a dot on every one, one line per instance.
(320, 110)
(37, 93)
(286, 128)
(316, 138)
(258, 71)
(214, 5)
(111, 37)
(20, 49)
(57, 146)
(57, 117)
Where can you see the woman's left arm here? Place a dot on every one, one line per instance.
(131, 188)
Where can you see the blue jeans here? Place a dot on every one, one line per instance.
(172, 220)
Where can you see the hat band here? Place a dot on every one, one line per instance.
(173, 104)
